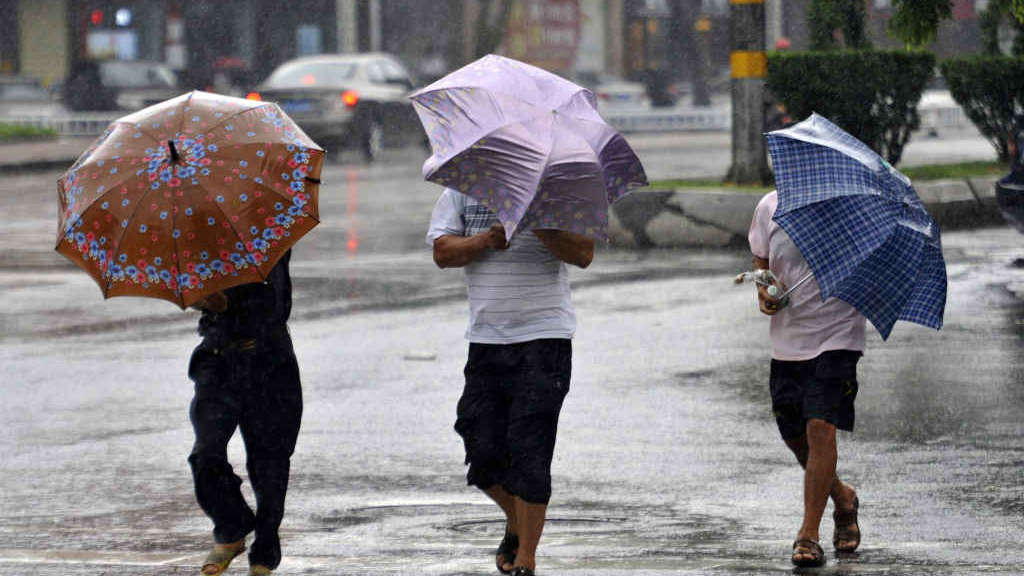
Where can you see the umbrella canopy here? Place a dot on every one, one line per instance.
(528, 144)
(189, 197)
(859, 224)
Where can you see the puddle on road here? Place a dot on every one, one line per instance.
(553, 526)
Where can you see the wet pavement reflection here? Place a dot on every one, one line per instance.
(668, 461)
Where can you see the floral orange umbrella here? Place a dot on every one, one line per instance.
(188, 197)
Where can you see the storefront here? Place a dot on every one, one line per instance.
(647, 26)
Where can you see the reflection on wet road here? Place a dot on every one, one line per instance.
(668, 460)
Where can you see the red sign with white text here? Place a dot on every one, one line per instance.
(544, 33)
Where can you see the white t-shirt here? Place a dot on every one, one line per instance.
(515, 295)
(807, 326)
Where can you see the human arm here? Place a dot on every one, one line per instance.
(568, 247)
(760, 248)
(453, 251)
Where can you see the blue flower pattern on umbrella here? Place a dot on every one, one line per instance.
(212, 191)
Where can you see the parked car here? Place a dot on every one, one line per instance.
(347, 100)
(612, 91)
(25, 99)
(124, 85)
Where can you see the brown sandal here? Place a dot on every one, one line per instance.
(506, 552)
(847, 529)
(220, 559)
(806, 547)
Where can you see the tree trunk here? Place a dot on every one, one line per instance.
(491, 24)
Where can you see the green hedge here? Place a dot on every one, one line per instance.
(990, 89)
(871, 94)
(15, 132)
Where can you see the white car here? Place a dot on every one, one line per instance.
(612, 91)
(938, 110)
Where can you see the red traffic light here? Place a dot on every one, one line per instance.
(96, 17)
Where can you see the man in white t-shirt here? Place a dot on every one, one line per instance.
(520, 359)
(815, 348)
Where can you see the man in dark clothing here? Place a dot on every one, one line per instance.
(246, 377)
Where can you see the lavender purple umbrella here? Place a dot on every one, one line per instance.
(528, 144)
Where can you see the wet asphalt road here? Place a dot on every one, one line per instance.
(668, 460)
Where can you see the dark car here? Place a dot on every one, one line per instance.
(123, 85)
(346, 100)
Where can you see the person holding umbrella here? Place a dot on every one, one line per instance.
(246, 378)
(813, 381)
(529, 170)
(849, 236)
(198, 200)
(520, 360)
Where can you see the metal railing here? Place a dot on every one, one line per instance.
(80, 124)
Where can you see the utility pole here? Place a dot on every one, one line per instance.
(748, 65)
(346, 12)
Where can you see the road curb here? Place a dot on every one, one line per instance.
(704, 218)
(35, 166)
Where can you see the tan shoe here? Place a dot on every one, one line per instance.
(259, 570)
(220, 558)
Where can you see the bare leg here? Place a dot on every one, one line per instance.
(842, 494)
(507, 503)
(531, 524)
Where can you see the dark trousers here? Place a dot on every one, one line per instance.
(252, 385)
(508, 414)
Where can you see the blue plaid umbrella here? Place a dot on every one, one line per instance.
(859, 224)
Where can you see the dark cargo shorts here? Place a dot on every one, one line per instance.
(822, 388)
(508, 414)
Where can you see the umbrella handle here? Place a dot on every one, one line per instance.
(798, 284)
(174, 151)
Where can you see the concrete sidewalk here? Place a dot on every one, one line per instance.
(43, 154)
(720, 217)
(704, 217)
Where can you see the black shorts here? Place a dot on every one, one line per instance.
(508, 414)
(822, 388)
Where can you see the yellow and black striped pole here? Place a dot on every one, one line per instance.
(748, 65)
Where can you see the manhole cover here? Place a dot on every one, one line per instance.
(556, 525)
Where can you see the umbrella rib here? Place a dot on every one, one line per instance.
(177, 255)
(124, 231)
(236, 114)
(227, 218)
(92, 203)
(503, 93)
(284, 197)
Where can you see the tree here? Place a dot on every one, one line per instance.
(837, 23)
(993, 18)
(916, 22)
(491, 24)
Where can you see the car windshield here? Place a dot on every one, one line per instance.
(22, 91)
(311, 74)
(136, 75)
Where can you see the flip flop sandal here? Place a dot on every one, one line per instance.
(259, 570)
(507, 551)
(522, 571)
(843, 533)
(221, 559)
(806, 547)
